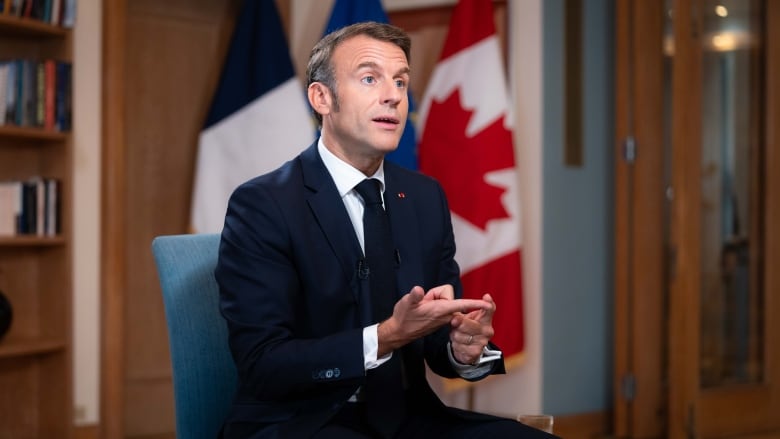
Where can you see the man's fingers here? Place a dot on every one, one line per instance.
(476, 314)
(442, 292)
(446, 292)
(462, 305)
(487, 316)
(457, 320)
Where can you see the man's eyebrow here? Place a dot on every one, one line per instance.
(404, 71)
(373, 65)
(368, 64)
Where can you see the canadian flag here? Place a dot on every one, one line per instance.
(466, 143)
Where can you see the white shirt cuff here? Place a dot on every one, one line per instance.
(371, 348)
(479, 368)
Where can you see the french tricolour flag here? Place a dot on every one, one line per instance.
(466, 143)
(258, 119)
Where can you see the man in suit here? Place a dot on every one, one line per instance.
(298, 282)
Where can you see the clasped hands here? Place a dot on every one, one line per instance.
(418, 313)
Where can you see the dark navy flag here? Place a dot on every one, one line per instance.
(258, 118)
(346, 12)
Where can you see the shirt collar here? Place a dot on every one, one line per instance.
(345, 175)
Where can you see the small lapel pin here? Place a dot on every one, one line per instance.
(401, 195)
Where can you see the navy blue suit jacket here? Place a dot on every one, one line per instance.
(295, 301)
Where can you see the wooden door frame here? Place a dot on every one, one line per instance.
(640, 254)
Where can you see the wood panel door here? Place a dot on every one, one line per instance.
(696, 347)
(724, 313)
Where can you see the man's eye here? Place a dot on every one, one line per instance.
(369, 79)
(400, 83)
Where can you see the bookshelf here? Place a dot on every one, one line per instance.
(36, 268)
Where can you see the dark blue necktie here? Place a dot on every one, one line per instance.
(384, 392)
(379, 250)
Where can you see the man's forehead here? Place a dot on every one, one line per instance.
(362, 48)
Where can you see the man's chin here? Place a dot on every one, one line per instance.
(388, 144)
(387, 149)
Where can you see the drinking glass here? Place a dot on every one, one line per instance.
(540, 422)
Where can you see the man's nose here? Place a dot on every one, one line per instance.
(392, 94)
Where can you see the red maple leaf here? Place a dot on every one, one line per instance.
(460, 162)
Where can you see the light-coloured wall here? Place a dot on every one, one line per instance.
(86, 245)
(578, 211)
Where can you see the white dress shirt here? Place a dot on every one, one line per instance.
(346, 178)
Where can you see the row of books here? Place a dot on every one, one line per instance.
(36, 94)
(55, 12)
(30, 207)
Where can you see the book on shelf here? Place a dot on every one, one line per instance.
(36, 93)
(54, 12)
(10, 207)
(30, 207)
(50, 94)
(3, 91)
(10, 96)
(63, 96)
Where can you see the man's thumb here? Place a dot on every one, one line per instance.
(416, 294)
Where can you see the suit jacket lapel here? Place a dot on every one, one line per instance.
(328, 209)
(399, 200)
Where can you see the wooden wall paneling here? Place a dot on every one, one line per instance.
(113, 221)
(174, 55)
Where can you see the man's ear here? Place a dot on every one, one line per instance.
(320, 98)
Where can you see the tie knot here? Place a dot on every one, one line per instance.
(369, 190)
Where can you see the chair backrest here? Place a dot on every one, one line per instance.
(204, 375)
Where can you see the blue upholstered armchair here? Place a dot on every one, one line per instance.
(204, 376)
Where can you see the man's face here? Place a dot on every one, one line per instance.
(372, 78)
